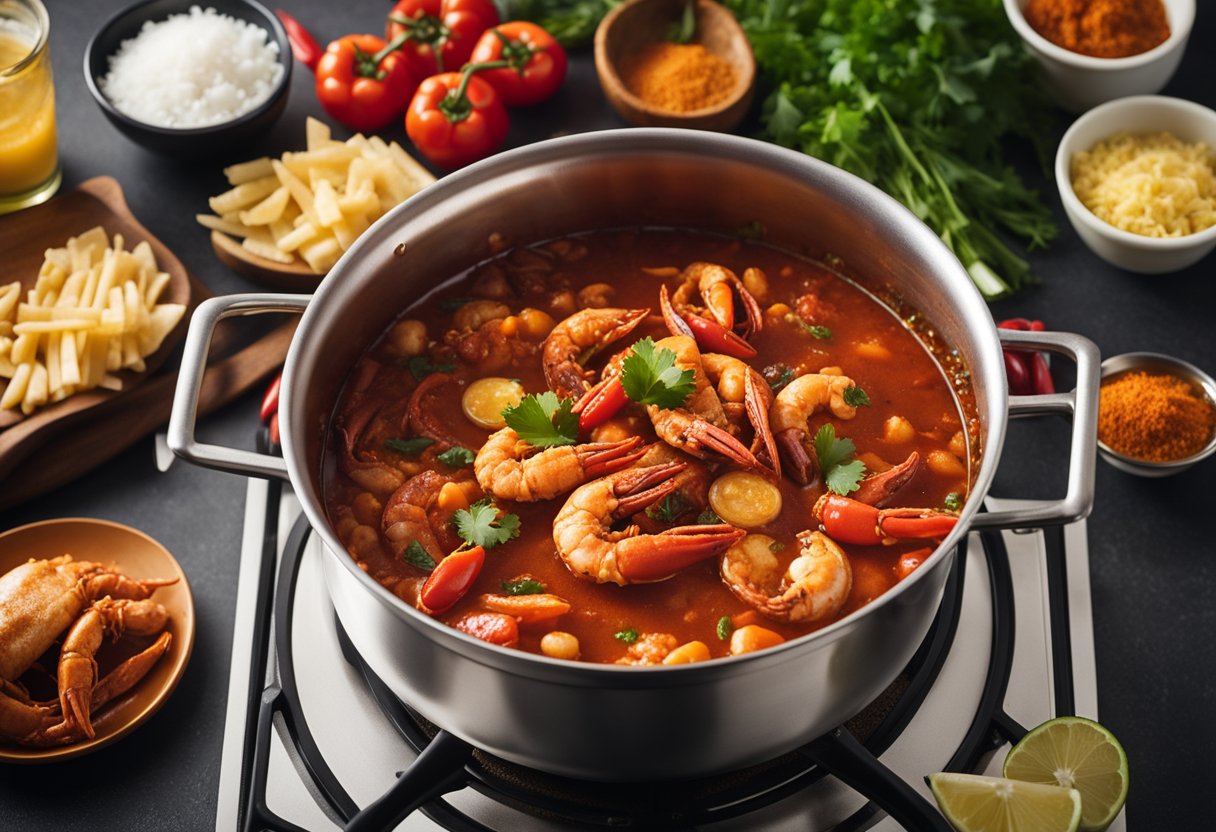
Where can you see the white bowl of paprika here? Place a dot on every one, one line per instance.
(1092, 51)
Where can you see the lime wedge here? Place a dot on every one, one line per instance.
(1079, 753)
(973, 803)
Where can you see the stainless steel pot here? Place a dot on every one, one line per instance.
(607, 722)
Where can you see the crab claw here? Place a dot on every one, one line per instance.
(655, 557)
(711, 336)
(757, 398)
(702, 438)
(849, 521)
(600, 458)
(637, 489)
(878, 489)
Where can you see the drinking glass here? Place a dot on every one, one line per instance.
(29, 157)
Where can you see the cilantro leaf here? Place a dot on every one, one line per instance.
(650, 376)
(776, 546)
(409, 447)
(416, 555)
(708, 518)
(629, 635)
(522, 586)
(456, 457)
(421, 367)
(953, 501)
(819, 333)
(839, 474)
(669, 508)
(778, 375)
(856, 397)
(480, 525)
(725, 627)
(543, 421)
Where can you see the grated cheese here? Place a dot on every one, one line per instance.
(193, 70)
(1154, 184)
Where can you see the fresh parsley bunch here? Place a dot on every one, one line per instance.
(917, 97)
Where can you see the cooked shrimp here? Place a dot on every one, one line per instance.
(511, 469)
(700, 426)
(794, 405)
(814, 586)
(411, 514)
(576, 337)
(582, 530)
(737, 383)
(718, 288)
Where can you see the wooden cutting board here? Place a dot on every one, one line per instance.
(59, 442)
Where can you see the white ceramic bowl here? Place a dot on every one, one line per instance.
(1188, 121)
(1155, 362)
(1079, 82)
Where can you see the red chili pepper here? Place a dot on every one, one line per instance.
(451, 580)
(270, 399)
(1016, 373)
(1040, 375)
(304, 46)
(714, 337)
(364, 82)
(456, 118)
(494, 627)
(601, 403)
(274, 428)
(536, 63)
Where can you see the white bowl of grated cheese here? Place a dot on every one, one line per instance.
(190, 78)
(1137, 177)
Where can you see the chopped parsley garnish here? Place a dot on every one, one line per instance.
(953, 501)
(522, 586)
(856, 397)
(669, 508)
(415, 555)
(452, 304)
(725, 627)
(480, 525)
(708, 518)
(421, 367)
(409, 447)
(650, 376)
(543, 421)
(456, 457)
(628, 636)
(816, 331)
(776, 546)
(778, 376)
(840, 474)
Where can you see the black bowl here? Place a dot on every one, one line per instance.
(192, 142)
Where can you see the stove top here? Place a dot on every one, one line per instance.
(311, 736)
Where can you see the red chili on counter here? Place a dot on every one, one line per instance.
(1026, 370)
(536, 62)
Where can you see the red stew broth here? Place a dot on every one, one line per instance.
(908, 382)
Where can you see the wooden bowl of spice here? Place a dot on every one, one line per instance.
(1093, 51)
(675, 63)
(1156, 414)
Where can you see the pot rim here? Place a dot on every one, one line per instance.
(844, 186)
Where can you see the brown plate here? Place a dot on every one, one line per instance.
(138, 556)
(296, 277)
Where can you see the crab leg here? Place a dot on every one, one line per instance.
(878, 489)
(849, 521)
(757, 399)
(702, 436)
(655, 557)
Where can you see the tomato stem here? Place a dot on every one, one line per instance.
(425, 29)
(455, 105)
(515, 52)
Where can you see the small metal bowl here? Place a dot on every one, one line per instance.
(187, 142)
(1154, 362)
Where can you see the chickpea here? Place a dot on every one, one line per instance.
(755, 281)
(958, 445)
(752, 638)
(367, 508)
(779, 310)
(408, 338)
(595, 296)
(559, 645)
(381, 480)
(492, 283)
(872, 351)
(534, 324)
(562, 304)
(897, 430)
(732, 385)
(476, 312)
(946, 464)
(693, 651)
(364, 540)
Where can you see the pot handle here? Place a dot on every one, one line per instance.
(1082, 404)
(190, 381)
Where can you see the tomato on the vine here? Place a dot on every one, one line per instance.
(456, 118)
(441, 33)
(536, 62)
(363, 82)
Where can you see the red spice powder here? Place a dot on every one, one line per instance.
(1100, 28)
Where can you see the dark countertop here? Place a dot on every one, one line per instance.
(1151, 557)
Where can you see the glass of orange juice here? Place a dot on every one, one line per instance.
(29, 158)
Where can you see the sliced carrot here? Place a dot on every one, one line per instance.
(527, 608)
